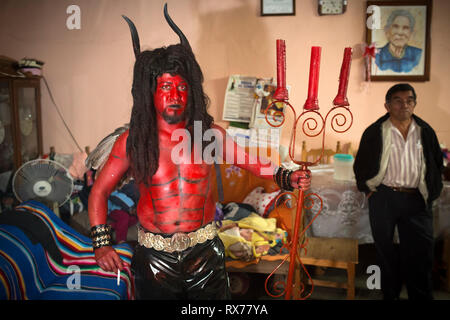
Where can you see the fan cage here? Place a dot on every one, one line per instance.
(43, 172)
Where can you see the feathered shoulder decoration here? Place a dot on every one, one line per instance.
(98, 157)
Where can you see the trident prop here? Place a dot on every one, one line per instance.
(313, 125)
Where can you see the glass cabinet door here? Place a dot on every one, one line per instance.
(7, 159)
(28, 124)
(20, 122)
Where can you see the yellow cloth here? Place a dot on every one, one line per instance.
(256, 222)
(264, 233)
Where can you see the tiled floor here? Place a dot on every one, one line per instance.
(366, 258)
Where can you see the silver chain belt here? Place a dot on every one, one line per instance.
(179, 241)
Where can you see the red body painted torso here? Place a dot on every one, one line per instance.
(179, 197)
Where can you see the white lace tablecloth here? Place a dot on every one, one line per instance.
(345, 212)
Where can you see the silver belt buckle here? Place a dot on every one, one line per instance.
(180, 241)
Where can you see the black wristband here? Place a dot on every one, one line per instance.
(278, 176)
(287, 181)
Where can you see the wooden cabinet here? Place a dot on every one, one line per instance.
(20, 121)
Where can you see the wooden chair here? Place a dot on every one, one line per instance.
(341, 253)
(314, 154)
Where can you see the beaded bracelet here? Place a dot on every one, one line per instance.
(101, 242)
(101, 236)
(283, 178)
(100, 228)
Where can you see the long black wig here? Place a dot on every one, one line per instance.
(142, 143)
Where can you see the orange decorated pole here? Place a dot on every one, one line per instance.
(295, 237)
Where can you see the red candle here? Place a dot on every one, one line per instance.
(312, 102)
(281, 92)
(341, 98)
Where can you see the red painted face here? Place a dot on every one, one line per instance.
(170, 98)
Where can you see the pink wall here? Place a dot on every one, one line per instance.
(90, 70)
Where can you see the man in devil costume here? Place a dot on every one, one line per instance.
(179, 255)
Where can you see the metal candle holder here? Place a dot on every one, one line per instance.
(313, 125)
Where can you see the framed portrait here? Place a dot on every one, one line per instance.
(277, 7)
(400, 33)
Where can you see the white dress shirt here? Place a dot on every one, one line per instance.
(405, 158)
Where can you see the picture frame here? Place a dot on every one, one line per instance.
(400, 33)
(277, 7)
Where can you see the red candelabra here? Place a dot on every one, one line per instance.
(313, 125)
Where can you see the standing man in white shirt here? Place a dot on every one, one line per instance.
(399, 166)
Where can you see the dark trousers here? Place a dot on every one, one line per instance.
(411, 261)
(197, 273)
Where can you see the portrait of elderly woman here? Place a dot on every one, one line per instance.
(397, 55)
(401, 38)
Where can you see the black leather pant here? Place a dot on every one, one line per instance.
(197, 273)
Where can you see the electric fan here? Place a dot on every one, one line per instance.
(45, 181)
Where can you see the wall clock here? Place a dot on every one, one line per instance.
(332, 7)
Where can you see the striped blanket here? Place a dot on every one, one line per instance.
(61, 268)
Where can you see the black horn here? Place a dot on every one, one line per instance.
(134, 36)
(175, 28)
